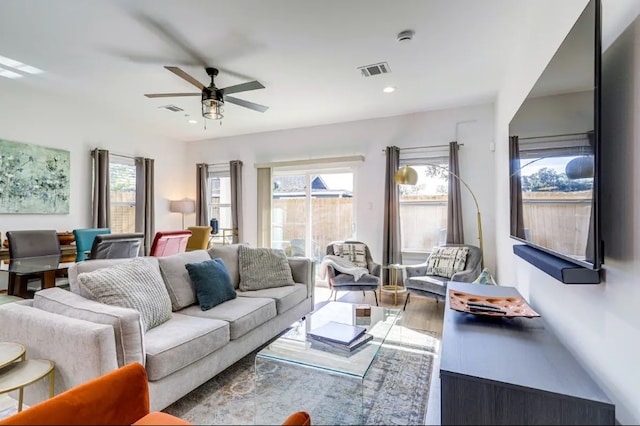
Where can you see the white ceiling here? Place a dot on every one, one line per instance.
(305, 52)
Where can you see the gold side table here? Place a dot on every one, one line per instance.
(393, 286)
(18, 374)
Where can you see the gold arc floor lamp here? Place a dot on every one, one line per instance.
(184, 206)
(407, 175)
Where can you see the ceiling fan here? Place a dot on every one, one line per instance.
(214, 98)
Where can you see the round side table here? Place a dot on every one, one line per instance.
(394, 287)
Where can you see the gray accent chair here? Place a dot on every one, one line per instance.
(117, 246)
(339, 281)
(418, 282)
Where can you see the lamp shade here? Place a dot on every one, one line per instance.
(406, 176)
(182, 206)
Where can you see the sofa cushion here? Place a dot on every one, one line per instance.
(135, 284)
(176, 278)
(92, 265)
(485, 277)
(354, 252)
(181, 341)
(242, 313)
(126, 323)
(286, 297)
(446, 261)
(430, 284)
(212, 282)
(263, 268)
(229, 255)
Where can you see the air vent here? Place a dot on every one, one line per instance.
(172, 108)
(375, 69)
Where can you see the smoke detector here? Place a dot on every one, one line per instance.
(406, 35)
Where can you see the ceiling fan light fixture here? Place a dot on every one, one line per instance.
(212, 109)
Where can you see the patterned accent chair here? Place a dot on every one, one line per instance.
(339, 281)
(435, 286)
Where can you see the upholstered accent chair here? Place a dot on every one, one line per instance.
(339, 281)
(418, 281)
(84, 240)
(166, 243)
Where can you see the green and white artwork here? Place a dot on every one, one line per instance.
(33, 179)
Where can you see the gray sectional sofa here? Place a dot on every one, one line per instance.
(87, 338)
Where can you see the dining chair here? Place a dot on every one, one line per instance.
(117, 246)
(199, 239)
(84, 240)
(166, 243)
(30, 243)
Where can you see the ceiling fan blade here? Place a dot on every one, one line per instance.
(169, 33)
(246, 104)
(177, 71)
(168, 95)
(252, 85)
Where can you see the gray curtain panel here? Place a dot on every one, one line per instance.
(145, 201)
(515, 188)
(202, 174)
(235, 168)
(455, 231)
(264, 207)
(101, 201)
(391, 249)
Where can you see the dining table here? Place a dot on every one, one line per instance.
(25, 267)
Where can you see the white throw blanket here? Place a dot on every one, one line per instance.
(343, 265)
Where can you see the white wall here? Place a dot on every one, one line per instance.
(471, 126)
(27, 116)
(600, 324)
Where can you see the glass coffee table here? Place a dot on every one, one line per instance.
(292, 375)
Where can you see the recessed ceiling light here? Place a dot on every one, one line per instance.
(388, 89)
(193, 121)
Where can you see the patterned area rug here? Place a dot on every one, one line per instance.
(395, 390)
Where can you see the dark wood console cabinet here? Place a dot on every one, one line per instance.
(512, 371)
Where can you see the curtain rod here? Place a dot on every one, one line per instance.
(423, 147)
(114, 154)
(554, 136)
(218, 164)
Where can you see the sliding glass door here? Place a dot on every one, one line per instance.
(310, 209)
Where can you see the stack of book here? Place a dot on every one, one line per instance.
(339, 338)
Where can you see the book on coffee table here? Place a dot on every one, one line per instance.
(336, 332)
(339, 347)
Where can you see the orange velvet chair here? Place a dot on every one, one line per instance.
(300, 418)
(166, 243)
(120, 397)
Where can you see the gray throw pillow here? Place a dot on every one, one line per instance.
(136, 284)
(262, 268)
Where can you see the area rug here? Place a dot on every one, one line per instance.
(395, 390)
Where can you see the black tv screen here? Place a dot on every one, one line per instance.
(554, 151)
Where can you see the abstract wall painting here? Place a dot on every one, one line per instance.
(34, 179)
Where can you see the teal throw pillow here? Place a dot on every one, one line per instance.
(212, 282)
(485, 277)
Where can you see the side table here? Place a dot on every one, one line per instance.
(393, 286)
(18, 374)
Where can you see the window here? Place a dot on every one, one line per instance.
(122, 182)
(219, 200)
(423, 207)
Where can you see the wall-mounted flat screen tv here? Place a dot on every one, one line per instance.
(554, 151)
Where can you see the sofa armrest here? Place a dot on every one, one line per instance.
(468, 275)
(374, 268)
(303, 271)
(81, 350)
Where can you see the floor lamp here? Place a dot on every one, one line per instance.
(407, 175)
(182, 206)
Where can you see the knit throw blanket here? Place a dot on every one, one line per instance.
(342, 265)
